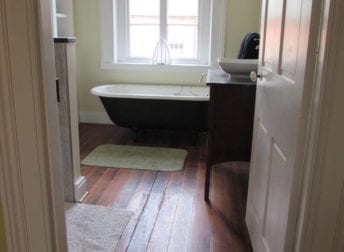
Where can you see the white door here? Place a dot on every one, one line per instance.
(283, 55)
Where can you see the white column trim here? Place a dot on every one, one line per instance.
(107, 28)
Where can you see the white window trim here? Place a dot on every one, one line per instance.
(203, 40)
(108, 57)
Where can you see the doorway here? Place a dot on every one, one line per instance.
(42, 211)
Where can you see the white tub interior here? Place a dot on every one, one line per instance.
(157, 92)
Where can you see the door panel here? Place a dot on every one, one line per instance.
(277, 119)
(273, 33)
(261, 173)
(277, 204)
(291, 31)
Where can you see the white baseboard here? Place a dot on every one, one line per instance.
(80, 189)
(94, 117)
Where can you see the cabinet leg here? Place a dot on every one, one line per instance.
(207, 182)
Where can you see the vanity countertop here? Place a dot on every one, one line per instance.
(219, 77)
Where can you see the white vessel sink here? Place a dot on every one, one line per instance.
(238, 66)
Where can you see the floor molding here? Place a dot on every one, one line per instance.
(80, 189)
(94, 117)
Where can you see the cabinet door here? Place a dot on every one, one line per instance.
(230, 122)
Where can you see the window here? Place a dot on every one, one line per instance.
(177, 32)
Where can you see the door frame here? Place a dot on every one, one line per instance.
(19, 193)
(320, 222)
(31, 189)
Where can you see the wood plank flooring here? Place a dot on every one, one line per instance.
(170, 213)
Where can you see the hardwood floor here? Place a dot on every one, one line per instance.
(170, 213)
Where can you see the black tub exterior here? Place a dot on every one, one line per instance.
(157, 114)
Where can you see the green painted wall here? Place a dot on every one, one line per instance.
(242, 17)
(2, 232)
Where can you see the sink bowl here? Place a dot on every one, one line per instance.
(238, 66)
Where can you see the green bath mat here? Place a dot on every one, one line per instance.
(136, 157)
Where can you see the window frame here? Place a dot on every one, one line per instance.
(109, 45)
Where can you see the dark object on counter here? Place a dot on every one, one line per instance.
(249, 47)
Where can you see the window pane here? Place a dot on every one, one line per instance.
(182, 8)
(142, 40)
(144, 19)
(182, 40)
(182, 12)
(144, 7)
(182, 30)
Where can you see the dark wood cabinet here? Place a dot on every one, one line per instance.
(230, 120)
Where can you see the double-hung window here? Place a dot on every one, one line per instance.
(177, 32)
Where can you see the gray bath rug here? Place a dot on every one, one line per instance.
(136, 157)
(94, 228)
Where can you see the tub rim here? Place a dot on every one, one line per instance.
(99, 91)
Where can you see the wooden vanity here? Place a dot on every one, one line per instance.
(230, 120)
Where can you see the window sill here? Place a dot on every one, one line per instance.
(150, 67)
